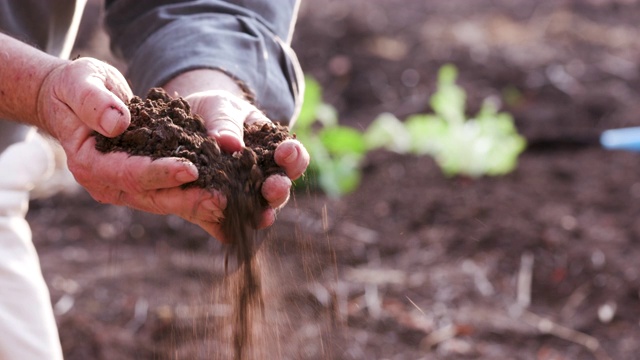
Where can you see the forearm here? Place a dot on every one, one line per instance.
(247, 39)
(22, 73)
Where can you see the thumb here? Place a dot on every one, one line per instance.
(89, 92)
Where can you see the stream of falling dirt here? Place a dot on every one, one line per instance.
(252, 335)
(240, 224)
(249, 302)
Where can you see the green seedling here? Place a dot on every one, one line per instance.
(336, 151)
(487, 144)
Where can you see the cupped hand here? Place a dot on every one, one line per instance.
(88, 95)
(224, 114)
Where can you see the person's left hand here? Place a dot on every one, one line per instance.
(224, 114)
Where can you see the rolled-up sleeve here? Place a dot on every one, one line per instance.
(250, 40)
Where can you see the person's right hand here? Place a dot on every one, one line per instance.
(84, 95)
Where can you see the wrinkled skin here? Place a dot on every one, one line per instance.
(86, 94)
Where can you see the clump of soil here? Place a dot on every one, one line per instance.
(162, 126)
(165, 127)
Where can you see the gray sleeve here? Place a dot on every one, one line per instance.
(248, 39)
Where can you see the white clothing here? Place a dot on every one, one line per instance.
(27, 325)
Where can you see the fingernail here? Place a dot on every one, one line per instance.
(186, 176)
(110, 121)
(229, 140)
(228, 135)
(227, 132)
(292, 157)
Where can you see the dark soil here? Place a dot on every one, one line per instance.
(412, 265)
(165, 127)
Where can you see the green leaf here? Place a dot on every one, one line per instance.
(327, 115)
(501, 124)
(488, 144)
(448, 101)
(335, 151)
(340, 140)
(447, 74)
(340, 176)
(504, 158)
(426, 132)
(489, 108)
(318, 155)
(386, 131)
(312, 99)
(336, 170)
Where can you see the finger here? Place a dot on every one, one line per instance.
(194, 205)
(117, 84)
(276, 190)
(267, 219)
(229, 139)
(224, 117)
(140, 173)
(101, 109)
(292, 156)
(128, 173)
(92, 101)
(164, 172)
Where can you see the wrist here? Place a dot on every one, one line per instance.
(46, 93)
(22, 74)
(200, 80)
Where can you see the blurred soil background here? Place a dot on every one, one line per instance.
(539, 264)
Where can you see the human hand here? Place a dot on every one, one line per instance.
(79, 97)
(224, 114)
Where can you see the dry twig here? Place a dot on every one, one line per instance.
(525, 276)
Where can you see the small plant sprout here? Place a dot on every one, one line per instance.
(335, 150)
(487, 144)
(388, 132)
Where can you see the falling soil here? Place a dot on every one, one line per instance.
(162, 126)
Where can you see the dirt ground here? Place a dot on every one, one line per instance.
(539, 264)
